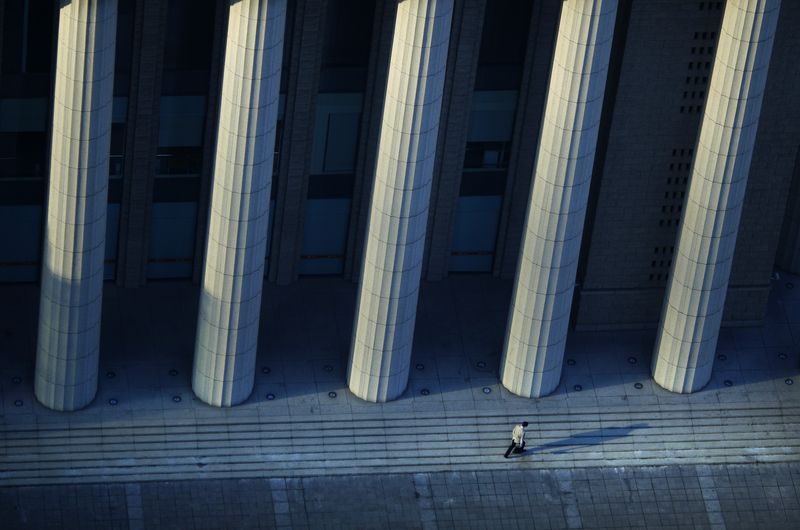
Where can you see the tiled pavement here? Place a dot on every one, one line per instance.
(606, 416)
(670, 497)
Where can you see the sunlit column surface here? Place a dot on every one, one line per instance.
(68, 345)
(690, 320)
(389, 285)
(230, 299)
(539, 315)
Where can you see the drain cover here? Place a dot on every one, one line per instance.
(487, 390)
(177, 399)
(332, 395)
(16, 380)
(110, 375)
(420, 366)
(727, 382)
(265, 370)
(270, 397)
(18, 403)
(424, 391)
(113, 401)
(633, 360)
(638, 386)
(328, 368)
(571, 362)
(782, 356)
(789, 381)
(173, 372)
(480, 364)
(577, 388)
(722, 357)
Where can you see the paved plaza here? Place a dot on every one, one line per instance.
(608, 449)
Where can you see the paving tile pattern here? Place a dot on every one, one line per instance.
(699, 497)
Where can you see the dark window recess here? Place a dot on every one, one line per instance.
(345, 52)
(503, 42)
(482, 183)
(330, 186)
(18, 192)
(27, 39)
(123, 56)
(116, 164)
(176, 189)
(23, 154)
(487, 155)
(187, 50)
(179, 160)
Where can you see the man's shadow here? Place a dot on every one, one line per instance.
(596, 437)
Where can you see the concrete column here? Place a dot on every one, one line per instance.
(540, 307)
(68, 346)
(389, 283)
(690, 320)
(230, 298)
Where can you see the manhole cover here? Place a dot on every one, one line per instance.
(328, 368)
(782, 356)
(480, 364)
(113, 402)
(265, 370)
(332, 395)
(177, 399)
(173, 372)
(18, 403)
(270, 397)
(110, 375)
(424, 391)
(638, 386)
(420, 366)
(722, 357)
(571, 362)
(16, 380)
(487, 390)
(788, 381)
(633, 360)
(577, 388)
(727, 382)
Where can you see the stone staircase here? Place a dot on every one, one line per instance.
(108, 449)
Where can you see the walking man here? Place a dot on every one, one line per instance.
(517, 439)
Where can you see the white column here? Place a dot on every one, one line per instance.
(230, 299)
(540, 307)
(389, 285)
(68, 345)
(690, 320)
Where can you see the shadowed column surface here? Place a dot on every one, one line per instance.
(68, 345)
(389, 284)
(692, 313)
(540, 306)
(230, 299)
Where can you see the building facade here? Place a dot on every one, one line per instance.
(483, 110)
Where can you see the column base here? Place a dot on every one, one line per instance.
(376, 388)
(64, 398)
(530, 384)
(681, 379)
(222, 393)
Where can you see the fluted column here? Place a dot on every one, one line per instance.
(389, 285)
(68, 345)
(230, 300)
(540, 307)
(690, 320)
